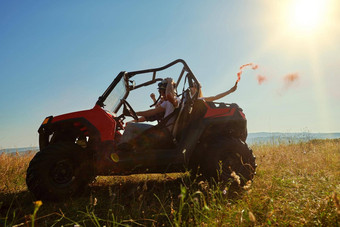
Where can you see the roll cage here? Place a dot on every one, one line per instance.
(126, 78)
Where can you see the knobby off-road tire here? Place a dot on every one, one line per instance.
(59, 171)
(224, 156)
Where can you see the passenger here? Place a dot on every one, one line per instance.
(197, 87)
(133, 132)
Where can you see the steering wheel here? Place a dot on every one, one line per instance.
(128, 111)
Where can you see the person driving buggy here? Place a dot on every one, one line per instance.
(159, 116)
(170, 102)
(154, 136)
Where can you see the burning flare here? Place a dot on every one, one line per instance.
(253, 66)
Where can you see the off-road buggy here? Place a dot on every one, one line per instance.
(77, 147)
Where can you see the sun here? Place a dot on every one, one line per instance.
(307, 16)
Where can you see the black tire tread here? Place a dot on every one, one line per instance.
(37, 178)
(226, 150)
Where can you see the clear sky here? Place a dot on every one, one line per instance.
(59, 56)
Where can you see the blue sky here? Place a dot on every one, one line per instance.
(59, 56)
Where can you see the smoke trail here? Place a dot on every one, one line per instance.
(290, 78)
(289, 81)
(253, 66)
(261, 79)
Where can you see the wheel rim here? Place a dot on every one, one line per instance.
(62, 173)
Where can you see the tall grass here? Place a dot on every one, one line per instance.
(296, 184)
(13, 168)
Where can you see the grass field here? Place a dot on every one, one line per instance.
(296, 185)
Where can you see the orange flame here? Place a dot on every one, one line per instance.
(253, 66)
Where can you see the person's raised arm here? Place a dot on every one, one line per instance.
(153, 97)
(221, 95)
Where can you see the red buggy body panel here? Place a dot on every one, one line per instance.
(224, 111)
(98, 117)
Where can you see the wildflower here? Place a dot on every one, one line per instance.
(236, 177)
(252, 217)
(247, 185)
(37, 204)
(203, 185)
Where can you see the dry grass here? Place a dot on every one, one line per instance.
(296, 184)
(13, 171)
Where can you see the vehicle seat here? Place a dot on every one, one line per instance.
(183, 116)
(132, 130)
(141, 136)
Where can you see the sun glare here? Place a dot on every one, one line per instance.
(307, 16)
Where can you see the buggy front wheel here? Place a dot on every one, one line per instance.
(59, 171)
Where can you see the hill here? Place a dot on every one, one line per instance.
(280, 137)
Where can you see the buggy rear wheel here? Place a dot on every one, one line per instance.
(228, 160)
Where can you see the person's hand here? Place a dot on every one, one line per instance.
(153, 96)
(169, 80)
(233, 88)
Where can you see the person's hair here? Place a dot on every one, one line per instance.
(200, 94)
(199, 89)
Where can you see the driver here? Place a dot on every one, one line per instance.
(159, 116)
(170, 102)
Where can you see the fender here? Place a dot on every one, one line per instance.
(208, 118)
(95, 122)
(217, 110)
